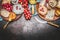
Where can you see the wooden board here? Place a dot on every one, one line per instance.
(43, 16)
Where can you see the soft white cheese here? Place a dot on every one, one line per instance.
(4, 13)
(18, 9)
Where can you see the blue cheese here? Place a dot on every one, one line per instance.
(50, 14)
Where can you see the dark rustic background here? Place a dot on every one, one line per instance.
(13, 33)
(51, 33)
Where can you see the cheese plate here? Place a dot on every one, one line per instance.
(45, 13)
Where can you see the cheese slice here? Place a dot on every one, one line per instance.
(50, 14)
(4, 13)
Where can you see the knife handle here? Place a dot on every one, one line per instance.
(53, 24)
(5, 25)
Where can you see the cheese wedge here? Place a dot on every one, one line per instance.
(50, 14)
(57, 12)
(58, 5)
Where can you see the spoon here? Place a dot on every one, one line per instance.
(11, 17)
(6, 25)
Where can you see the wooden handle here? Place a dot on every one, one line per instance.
(53, 24)
(5, 25)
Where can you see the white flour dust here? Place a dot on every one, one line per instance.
(23, 26)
